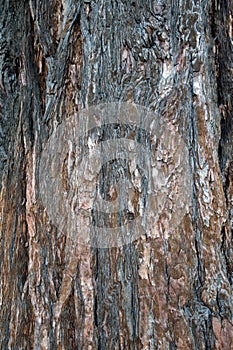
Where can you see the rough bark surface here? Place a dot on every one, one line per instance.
(170, 292)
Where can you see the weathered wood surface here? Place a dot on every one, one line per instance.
(57, 57)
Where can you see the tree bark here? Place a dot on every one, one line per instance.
(172, 291)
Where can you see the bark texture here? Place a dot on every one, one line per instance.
(170, 292)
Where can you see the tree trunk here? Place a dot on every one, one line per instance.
(170, 288)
